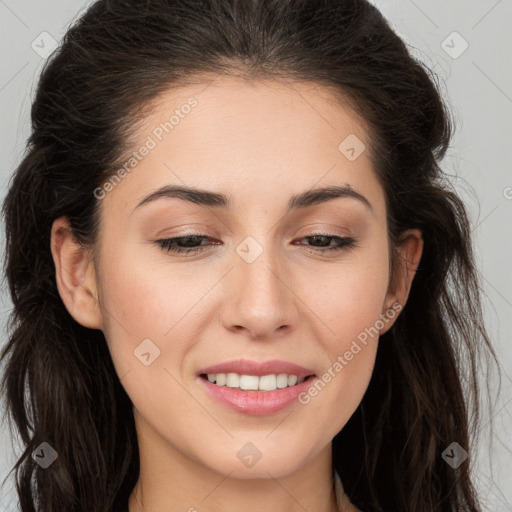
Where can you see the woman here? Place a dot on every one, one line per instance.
(239, 280)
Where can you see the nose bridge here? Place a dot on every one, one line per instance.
(258, 298)
(257, 264)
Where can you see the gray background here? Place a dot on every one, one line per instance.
(477, 85)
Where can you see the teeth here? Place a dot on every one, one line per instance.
(253, 382)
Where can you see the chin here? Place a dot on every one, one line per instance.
(251, 464)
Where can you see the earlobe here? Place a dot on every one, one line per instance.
(409, 252)
(75, 276)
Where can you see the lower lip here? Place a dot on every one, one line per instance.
(258, 403)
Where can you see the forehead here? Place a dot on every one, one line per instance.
(230, 106)
(247, 138)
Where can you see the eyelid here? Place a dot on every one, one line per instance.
(345, 243)
(200, 230)
(311, 229)
(309, 233)
(326, 228)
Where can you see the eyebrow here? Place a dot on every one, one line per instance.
(216, 200)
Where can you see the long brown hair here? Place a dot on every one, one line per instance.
(60, 385)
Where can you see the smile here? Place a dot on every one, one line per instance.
(253, 382)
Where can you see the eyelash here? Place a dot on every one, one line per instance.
(167, 244)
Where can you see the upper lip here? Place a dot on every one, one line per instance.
(257, 368)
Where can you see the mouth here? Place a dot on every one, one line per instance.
(263, 383)
(242, 393)
(253, 387)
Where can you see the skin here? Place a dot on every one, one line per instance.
(259, 143)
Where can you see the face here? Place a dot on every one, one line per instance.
(305, 283)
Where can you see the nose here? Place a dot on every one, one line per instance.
(259, 296)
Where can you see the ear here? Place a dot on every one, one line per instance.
(409, 251)
(75, 276)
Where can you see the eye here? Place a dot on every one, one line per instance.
(192, 243)
(341, 242)
(183, 244)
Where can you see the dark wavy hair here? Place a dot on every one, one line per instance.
(60, 385)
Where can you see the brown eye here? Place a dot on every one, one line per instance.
(183, 244)
(324, 242)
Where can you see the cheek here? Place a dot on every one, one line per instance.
(147, 328)
(348, 296)
(145, 296)
(139, 304)
(347, 301)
